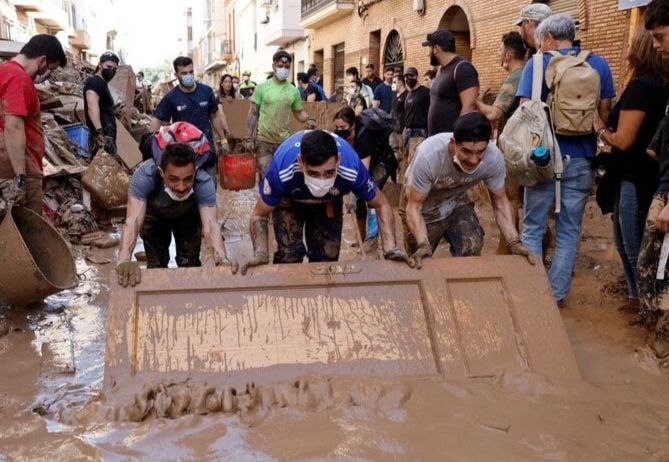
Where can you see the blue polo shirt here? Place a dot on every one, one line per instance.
(574, 146)
(285, 179)
(195, 108)
(384, 94)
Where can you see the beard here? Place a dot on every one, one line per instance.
(433, 60)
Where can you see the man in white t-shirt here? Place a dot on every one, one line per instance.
(435, 204)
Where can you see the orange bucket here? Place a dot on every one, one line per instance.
(237, 171)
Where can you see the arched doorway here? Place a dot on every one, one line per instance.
(393, 52)
(455, 20)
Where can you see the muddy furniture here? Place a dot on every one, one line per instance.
(461, 318)
(35, 261)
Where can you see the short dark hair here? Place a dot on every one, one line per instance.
(514, 42)
(431, 73)
(388, 69)
(178, 154)
(657, 14)
(181, 61)
(302, 77)
(352, 71)
(312, 71)
(400, 78)
(346, 114)
(472, 126)
(317, 147)
(369, 66)
(45, 45)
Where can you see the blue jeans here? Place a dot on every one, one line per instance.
(576, 185)
(628, 225)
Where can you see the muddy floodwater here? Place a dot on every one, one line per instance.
(51, 391)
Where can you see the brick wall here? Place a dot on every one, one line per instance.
(605, 31)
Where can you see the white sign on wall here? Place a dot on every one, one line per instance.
(629, 4)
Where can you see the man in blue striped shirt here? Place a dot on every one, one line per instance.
(304, 191)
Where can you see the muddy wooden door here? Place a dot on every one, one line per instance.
(461, 318)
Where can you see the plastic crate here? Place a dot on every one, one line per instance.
(78, 134)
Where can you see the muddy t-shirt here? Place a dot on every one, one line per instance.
(445, 106)
(432, 172)
(276, 103)
(146, 180)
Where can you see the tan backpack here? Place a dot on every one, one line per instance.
(574, 91)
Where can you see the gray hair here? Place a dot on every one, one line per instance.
(559, 26)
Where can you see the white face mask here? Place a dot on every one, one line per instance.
(394, 87)
(176, 198)
(351, 91)
(318, 187)
(282, 73)
(456, 161)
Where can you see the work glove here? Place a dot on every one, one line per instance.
(249, 145)
(223, 261)
(128, 273)
(100, 139)
(259, 259)
(12, 191)
(310, 124)
(399, 256)
(424, 250)
(516, 247)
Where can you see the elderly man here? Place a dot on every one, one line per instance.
(555, 36)
(530, 18)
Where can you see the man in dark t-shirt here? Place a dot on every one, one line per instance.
(456, 86)
(383, 94)
(99, 106)
(371, 80)
(416, 107)
(308, 91)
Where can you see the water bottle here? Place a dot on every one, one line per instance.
(372, 224)
(541, 156)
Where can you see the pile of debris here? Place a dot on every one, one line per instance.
(66, 202)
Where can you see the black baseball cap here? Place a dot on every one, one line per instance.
(411, 71)
(442, 37)
(472, 126)
(109, 56)
(282, 56)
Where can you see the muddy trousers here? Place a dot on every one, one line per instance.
(461, 229)
(653, 293)
(319, 224)
(264, 154)
(157, 234)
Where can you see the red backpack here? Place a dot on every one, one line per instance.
(181, 132)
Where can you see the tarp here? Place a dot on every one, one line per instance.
(462, 318)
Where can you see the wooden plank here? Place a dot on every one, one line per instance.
(127, 147)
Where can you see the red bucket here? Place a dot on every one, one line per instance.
(237, 171)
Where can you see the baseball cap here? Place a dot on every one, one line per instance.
(442, 37)
(282, 56)
(411, 71)
(109, 56)
(534, 12)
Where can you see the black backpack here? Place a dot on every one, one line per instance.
(380, 124)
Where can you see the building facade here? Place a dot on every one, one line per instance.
(345, 33)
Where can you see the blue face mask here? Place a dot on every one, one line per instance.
(187, 80)
(282, 73)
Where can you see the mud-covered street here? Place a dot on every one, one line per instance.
(51, 389)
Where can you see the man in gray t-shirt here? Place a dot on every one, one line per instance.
(174, 198)
(435, 203)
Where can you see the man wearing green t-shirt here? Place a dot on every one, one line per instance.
(268, 122)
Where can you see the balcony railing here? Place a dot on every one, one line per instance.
(312, 6)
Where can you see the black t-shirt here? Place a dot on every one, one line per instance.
(647, 93)
(312, 90)
(416, 108)
(375, 82)
(98, 85)
(445, 91)
(398, 110)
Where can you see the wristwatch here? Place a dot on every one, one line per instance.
(20, 181)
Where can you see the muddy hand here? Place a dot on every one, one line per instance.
(258, 260)
(399, 256)
(310, 124)
(249, 145)
(662, 221)
(128, 273)
(422, 252)
(12, 191)
(233, 264)
(101, 139)
(517, 248)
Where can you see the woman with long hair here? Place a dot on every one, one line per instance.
(226, 89)
(635, 175)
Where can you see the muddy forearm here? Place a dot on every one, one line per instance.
(415, 222)
(260, 235)
(384, 213)
(252, 121)
(212, 232)
(15, 143)
(504, 218)
(128, 239)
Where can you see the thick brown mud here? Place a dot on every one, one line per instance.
(52, 406)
